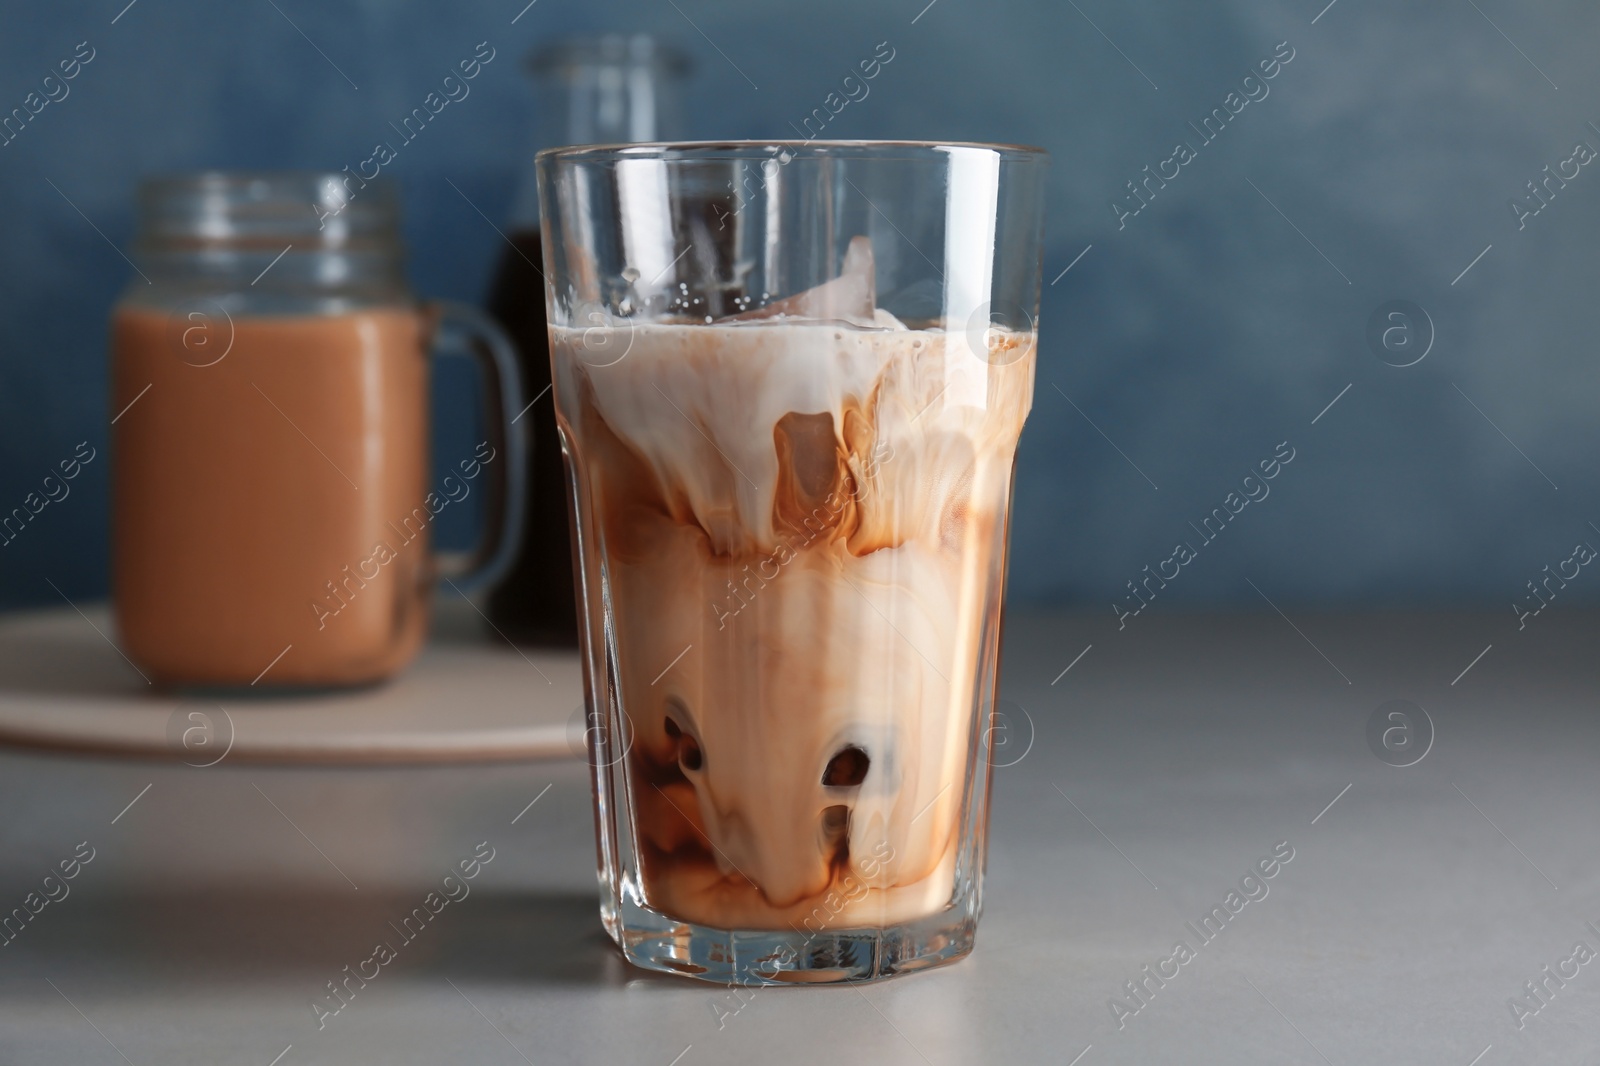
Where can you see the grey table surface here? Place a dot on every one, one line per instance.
(1164, 764)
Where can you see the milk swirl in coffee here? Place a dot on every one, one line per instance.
(797, 518)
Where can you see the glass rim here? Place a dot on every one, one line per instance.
(224, 179)
(672, 151)
(236, 209)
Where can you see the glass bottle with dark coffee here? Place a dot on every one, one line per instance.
(606, 90)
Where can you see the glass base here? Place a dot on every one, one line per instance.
(655, 941)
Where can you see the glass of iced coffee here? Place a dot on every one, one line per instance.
(789, 381)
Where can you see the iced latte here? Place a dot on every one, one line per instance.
(792, 535)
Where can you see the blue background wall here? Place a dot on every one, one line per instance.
(1196, 338)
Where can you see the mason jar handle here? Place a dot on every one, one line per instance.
(481, 338)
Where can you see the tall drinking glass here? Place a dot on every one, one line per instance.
(789, 381)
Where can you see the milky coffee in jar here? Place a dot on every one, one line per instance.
(273, 496)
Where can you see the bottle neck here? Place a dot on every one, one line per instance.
(611, 90)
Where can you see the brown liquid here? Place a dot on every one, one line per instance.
(273, 499)
(799, 529)
(535, 602)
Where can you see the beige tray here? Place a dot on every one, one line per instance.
(471, 696)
